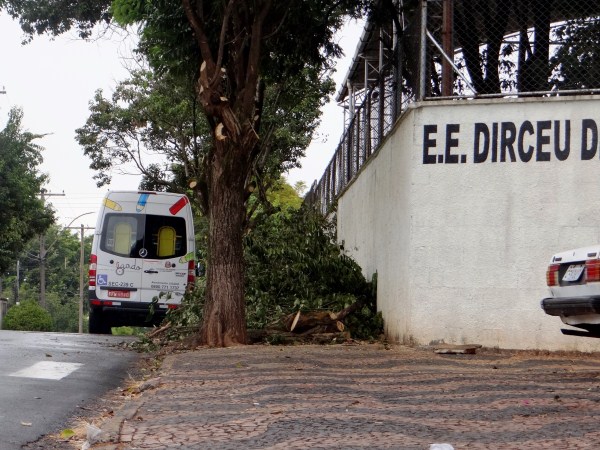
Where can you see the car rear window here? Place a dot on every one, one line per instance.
(144, 236)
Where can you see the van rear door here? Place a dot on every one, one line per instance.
(119, 271)
(164, 251)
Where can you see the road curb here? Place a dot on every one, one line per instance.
(111, 429)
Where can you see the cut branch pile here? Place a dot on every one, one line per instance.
(319, 327)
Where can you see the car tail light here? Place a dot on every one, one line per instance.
(191, 278)
(92, 270)
(592, 270)
(552, 275)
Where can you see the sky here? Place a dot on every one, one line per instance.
(53, 81)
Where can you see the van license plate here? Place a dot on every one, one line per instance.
(118, 294)
(573, 272)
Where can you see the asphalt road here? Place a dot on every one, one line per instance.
(46, 377)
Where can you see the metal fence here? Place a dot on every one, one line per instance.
(430, 50)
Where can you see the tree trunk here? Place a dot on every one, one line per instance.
(224, 321)
(533, 76)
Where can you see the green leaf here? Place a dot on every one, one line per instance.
(67, 433)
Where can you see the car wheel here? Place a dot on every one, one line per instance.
(98, 323)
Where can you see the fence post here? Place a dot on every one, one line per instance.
(423, 55)
(448, 45)
(397, 73)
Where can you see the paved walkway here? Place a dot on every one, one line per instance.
(364, 396)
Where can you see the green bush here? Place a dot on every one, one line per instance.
(294, 263)
(28, 316)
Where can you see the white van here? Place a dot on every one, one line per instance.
(143, 254)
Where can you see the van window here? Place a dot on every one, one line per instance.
(120, 234)
(123, 234)
(144, 236)
(166, 241)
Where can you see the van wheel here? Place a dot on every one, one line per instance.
(98, 324)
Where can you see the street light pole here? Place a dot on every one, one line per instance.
(81, 257)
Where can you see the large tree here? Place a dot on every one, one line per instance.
(235, 50)
(22, 213)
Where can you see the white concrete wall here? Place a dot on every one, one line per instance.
(461, 249)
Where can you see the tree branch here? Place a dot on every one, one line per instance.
(222, 38)
(201, 38)
(254, 60)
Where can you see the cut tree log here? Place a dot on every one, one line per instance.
(301, 322)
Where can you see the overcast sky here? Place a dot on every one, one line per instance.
(53, 82)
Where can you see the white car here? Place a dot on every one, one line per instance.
(573, 277)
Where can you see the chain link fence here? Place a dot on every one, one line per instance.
(429, 50)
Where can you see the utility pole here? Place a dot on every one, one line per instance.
(82, 228)
(43, 194)
(17, 287)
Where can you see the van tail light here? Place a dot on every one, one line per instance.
(592, 270)
(552, 275)
(191, 278)
(92, 270)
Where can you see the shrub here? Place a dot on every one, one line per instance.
(128, 331)
(28, 316)
(64, 313)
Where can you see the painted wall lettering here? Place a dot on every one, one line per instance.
(449, 156)
(589, 139)
(508, 142)
(428, 143)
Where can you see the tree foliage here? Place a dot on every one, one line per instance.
(157, 115)
(146, 115)
(576, 63)
(22, 213)
(54, 17)
(62, 276)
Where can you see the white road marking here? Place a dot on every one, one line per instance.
(47, 370)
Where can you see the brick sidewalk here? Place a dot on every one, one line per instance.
(358, 396)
